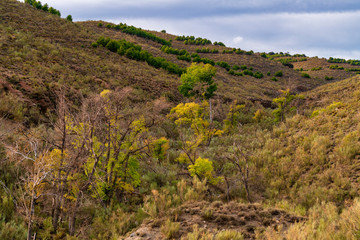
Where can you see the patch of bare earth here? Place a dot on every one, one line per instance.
(217, 216)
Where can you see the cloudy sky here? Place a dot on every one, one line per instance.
(321, 28)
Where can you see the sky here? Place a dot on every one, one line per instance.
(323, 28)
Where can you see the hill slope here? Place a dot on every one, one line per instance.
(90, 148)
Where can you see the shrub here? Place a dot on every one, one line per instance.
(69, 18)
(258, 75)
(235, 67)
(305, 75)
(248, 72)
(278, 74)
(224, 65)
(12, 230)
(328, 78)
(274, 79)
(268, 74)
(229, 235)
(219, 44)
(170, 229)
(263, 55)
(100, 24)
(316, 68)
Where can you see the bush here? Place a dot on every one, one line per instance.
(170, 229)
(248, 72)
(328, 78)
(229, 235)
(258, 75)
(305, 75)
(69, 18)
(274, 79)
(133, 51)
(224, 65)
(278, 74)
(100, 24)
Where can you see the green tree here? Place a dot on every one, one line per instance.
(69, 18)
(198, 82)
(283, 104)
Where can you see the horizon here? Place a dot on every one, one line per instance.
(305, 27)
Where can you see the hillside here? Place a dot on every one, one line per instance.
(97, 142)
(41, 53)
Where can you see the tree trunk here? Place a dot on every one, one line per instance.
(72, 217)
(210, 111)
(32, 210)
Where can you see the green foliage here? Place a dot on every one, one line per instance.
(229, 235)
(206, 50)
(283, 104)
(203, 168)
(45, 7)
(224, 65)
(328, 78)
(197, 81)
(219, 44)
(336, 67)
(69, 18)
(305, 75)
(274, 79)
(191, 40)
(12, 230)
(133, 51)
(170, 229)
(140, 33)
(175, 51)
(204, 60)
(258, 75)
(340, 60)
(316, 68)
(278, 74)
(248, 72)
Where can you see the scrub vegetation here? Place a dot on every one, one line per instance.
(114, 132)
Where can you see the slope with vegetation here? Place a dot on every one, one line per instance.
(100, 137)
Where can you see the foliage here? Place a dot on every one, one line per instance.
(197, 81)
(191, 40)
(45, 7)
(340, 60)
(219, 44)
(283, 104)
(69, 18)
(170, 229)
(203, 168)
(140, 33)
(324, 222)
(305, 75)
(224, 65)
(133, 51)
(278, 74)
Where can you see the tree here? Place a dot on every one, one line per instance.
(198, 82)
(283, 102)
(69, 18)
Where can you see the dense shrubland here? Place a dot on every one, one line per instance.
(133, 51)
(191, 40)
(341, 60)
(139, 32)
